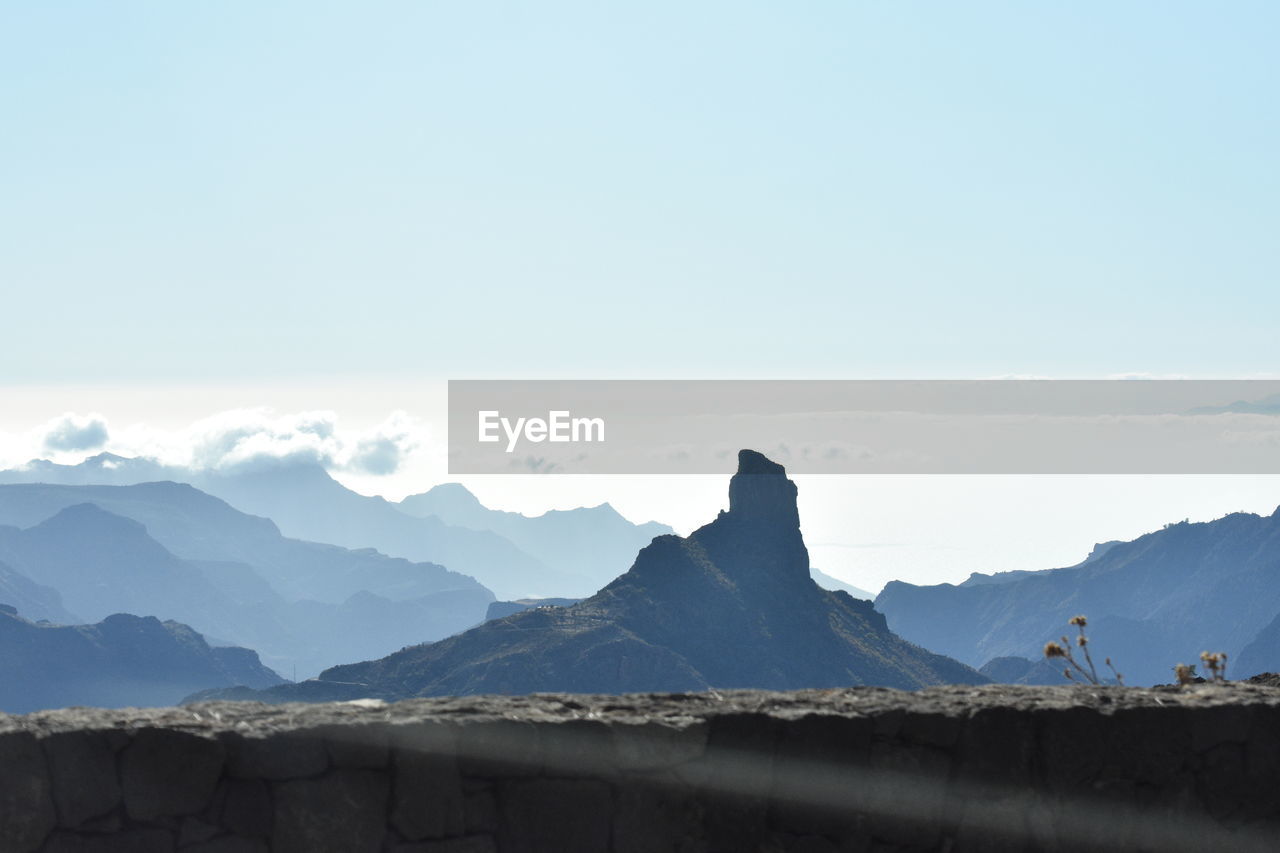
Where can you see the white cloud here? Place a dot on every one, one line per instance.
(252, 437)
(72, 432)
(382, 450)
(235, 439)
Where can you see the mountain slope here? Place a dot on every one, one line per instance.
(826, 581)
(34, 601)
(1152, 602)
(197, 526)
(1023, 671)
(298, 603)
(1262, 654)
(732, 605)
(103, 563)
(122, 661)
(595, 543)
(306, 503)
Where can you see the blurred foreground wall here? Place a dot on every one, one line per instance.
(952, 769)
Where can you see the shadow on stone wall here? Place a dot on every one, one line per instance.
(992, 768)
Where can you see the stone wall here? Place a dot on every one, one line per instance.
(1062, 768)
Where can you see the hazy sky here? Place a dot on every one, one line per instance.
(235, 201)
(198, 191)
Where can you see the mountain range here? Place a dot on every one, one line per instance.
(736, 603)
(121, 661)
(1154, 602)
(171, 551)
(568, 553)
(731, 605)
(826, 581)
(39, 602)
(595, 543)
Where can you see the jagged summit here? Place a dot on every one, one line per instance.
(761, 492)
(755, 462)
(731, 605)
(450, 492)
(757, 544)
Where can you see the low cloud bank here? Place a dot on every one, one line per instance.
(71, 432)
(255, 438)
(237, 439)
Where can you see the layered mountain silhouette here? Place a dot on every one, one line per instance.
(826, 581)
(569, 553)
(1261, 655)
(121, 661)
(593, 543)
(171, 551)
(34, 601)
(732, 605)
(309, 504)
(1152, 603)
(1013, 670)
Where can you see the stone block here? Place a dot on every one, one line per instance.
(126, 841)
(427, 796)
(554, 816)
(27, 814)
(577, 748)
(653, 746)
(344, 811)
(357, 746)
(738, 777)
(498, 749)
(480, 809)
(468, 844)
(193, 830)
(164, 772)
(246, 808)
(657, 819)
(229, 844)
(82, 765)
(281, 755)
(821, 775)
(997, 747)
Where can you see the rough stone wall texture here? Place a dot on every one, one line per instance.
(990, 768)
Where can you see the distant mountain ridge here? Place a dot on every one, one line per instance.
(1153, 602)
(731, 605)
(169, 550)
(826, 581)
(104, 563)
(561, 553)
(1261, 655)
(122, 661)
(595, 543)
(34, 601)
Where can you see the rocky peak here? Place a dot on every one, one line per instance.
(84, 518)
(760, 492)
(455, 492)
(757, 543)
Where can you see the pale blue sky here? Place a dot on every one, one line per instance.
(221, 192)
(308, 205)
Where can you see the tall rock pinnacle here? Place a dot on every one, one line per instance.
(730, 605)
(760, 492)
